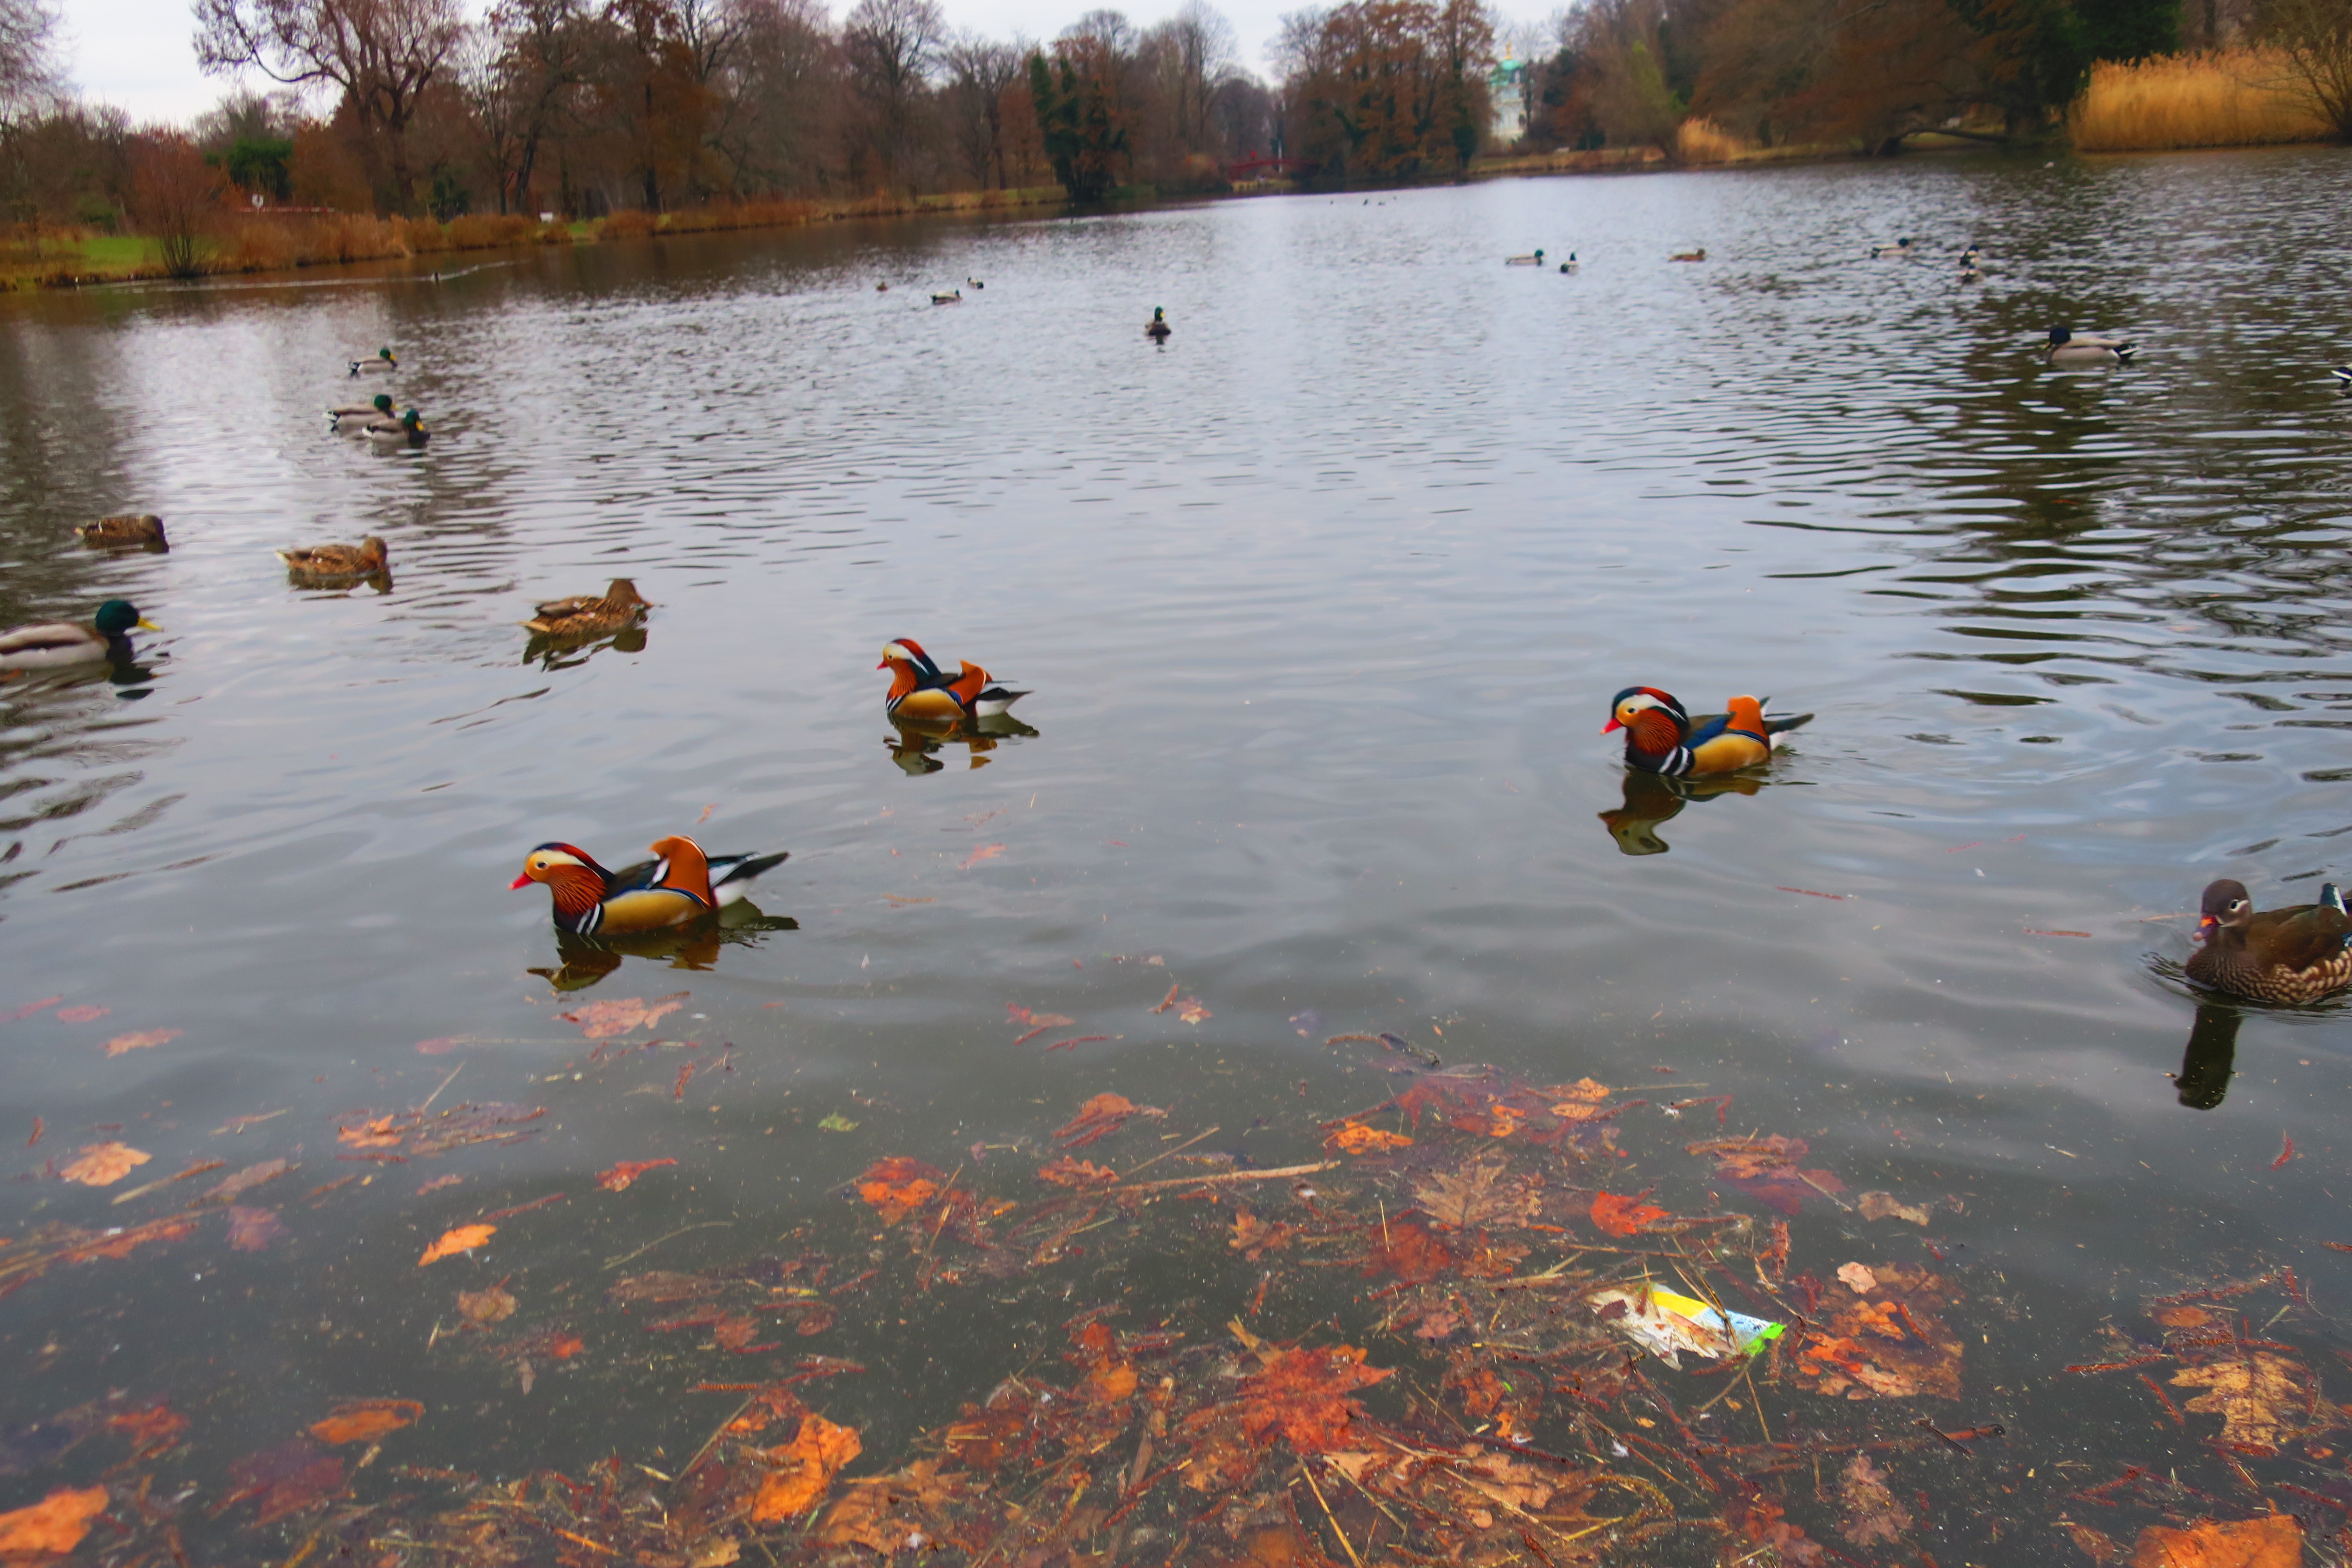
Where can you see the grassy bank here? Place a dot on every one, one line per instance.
(268, 242)
(2228, 99)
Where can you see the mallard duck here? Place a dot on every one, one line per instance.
(386, 361)
(408, 429)
(337, 560)
(123, 528)
(881, 287)
(953, 297)
(59, 643)
(682, 885)
(352, 418)
(1698, 254)
(1157, 329)
(2300, 954)
(2065, 348)
(1900, 250)
(1535, 260)
(589, 615)
(1572, 263)
(973, 283)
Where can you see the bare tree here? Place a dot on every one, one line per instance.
(782, 87)
(1200, 52)
(174, 196)
(384, 54)
(28, 72)
(2314, 39)
(892, 46)
(978, 70)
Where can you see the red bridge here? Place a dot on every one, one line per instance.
(1259, 166)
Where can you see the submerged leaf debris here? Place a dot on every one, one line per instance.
(1457, 1338)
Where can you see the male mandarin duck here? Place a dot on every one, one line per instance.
(385, 360)
(59, 643)
(920, 689)
(1662, 738)
(586, 614)
(337, 560)
(139, 529)
(2063, 347)
(681, 885)
(2296, 954)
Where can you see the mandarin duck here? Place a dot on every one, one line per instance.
(351, 418)
(920, 689)
(681, 884)
(587, 615)
(123, 529)
(2300, 954)
(337, 560)
(1157, 329)
(59, 643)
(384, 360)
(1662, 738)
(2062, 347)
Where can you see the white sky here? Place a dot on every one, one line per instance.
(137, 54)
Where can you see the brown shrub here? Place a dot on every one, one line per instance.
(628, 224)
(2229, 99)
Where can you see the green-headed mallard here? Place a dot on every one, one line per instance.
(1535, 260)
(1572, 263)
(407, 430)
(1157, 329)
(2065, 348)
(589, 615)
(123, 528)
(1901, 250)
(61, 643)
(352, 418)
(384, 360)
(337, 560)
(953, 297)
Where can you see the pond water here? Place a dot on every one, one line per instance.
(1321, 605)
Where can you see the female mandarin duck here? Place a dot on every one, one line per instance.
(142, 530)
(1662, 738)
(670, 890)
(586, 614)
(920, 689)
(60, 642)
(2296, 954)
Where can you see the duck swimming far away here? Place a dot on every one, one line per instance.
(1158, 328)
(682, 884)
(1662, 738)
(2065, 348)
(384, 360)
(1535, 260)
(122, 529)
(953, 297)
(60, 642)
(2300, 954)
(920, 689)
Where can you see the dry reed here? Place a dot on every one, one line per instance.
(2230, 98)
(1704, 141)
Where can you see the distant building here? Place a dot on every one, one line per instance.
(1508, 90)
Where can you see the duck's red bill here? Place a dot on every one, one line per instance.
(1613, 724)
(521, 882)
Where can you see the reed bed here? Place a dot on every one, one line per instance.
(1702, 141)
(2227, 98)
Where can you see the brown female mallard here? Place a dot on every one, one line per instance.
(122, 530)
(586, 614)
(337, 560)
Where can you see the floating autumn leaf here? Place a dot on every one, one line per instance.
(384, 1132)
(102, 1164)
(1099, 1118)
(1069, 1170)
(1253, 1237)
(232, 1187)
(52, 1526)
(1584, 1092)
(604, 1020)
(1355, 1138)
(464, 1238)
(1191, 1010)
(144, 1040)
(1857, 1279)
(618, 1178)
(898, 1186)
(1765, 1169)
(802, 1472)
(1038, 1023)
(1873, 1517)
(1884, 1206)
(151, 1429)
(1474, 1195)
(253, 1229)
(2273, 1541)
(292, 1478)
(1482, 1103)
(483, 1308)
(985, 852)
(29, 1008)
(2259, 1395)
(1303, 1398)
(365, 1420)
(1619, 1215)
(1891, 1344)
(82, 1014)
(1406, 1248)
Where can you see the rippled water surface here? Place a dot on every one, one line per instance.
(1321, 606)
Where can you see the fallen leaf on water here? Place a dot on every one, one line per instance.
(2258, 1396)
(464, 1238)
(81, 1014)
(289, 1478)
(2097, 1544)
(151, 1429)
(364, 1420)
(618, 1178)
(1038, 1021)
(898, 1186)
(1872, 1514)
(1623, 1215)
(803, 1469)
(1891, 1344)
(51, 1527)
(244, 1180)
(483, 1308)
(1858, 1280)
(437, 1183)
(1069, 1170)
(837, 1122)
(380, 1133)
(1191, 1010)
(1099, 1118)
(1884, 1206)
(1254, 1237)
(2273, 1541)
(39, 1127)
(1302, 1397)
(145, 1040)
(1355, 1138)
(985, 852)
(1473, 1196)
(603, 1020)
(439, 1046)
(2286, 1148)
(102, 1164)
(1168, 1001)
(29, 1008)
(251, 1230)
(1767, 1169)
(1408, 1250)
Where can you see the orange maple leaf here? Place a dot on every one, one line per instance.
(51, 1527)
(379, 1133)
(1069, 1170)
(2275, 1540)
(804, 1468)
(145, 1040)
(1301, 1396)
(364, 1420)
(154, 1427)
(898, 1186)
(985, 852)
(1355, 1138)
(464, 1238)
(1622, 1215)
(618, 1178)
(101, 1165)
(603, 1020)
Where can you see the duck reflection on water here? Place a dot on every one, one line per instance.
(2205, 1066)
(567, 650)
(917, 745)
(583, 960)
(1653, 798)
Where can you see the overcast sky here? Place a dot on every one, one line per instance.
(136, 54)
